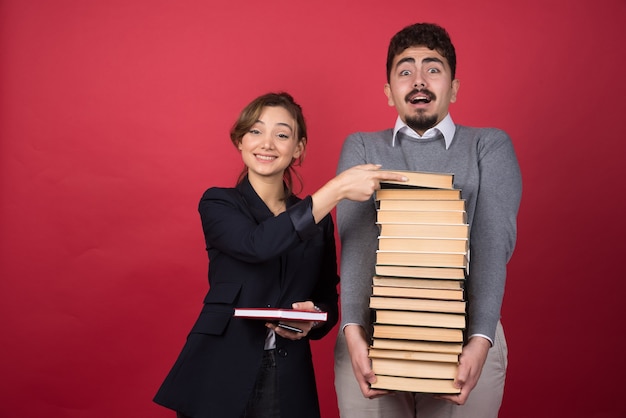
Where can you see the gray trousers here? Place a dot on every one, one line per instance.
(484, 400)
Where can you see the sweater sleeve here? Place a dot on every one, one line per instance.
(356, 223)
(493, 233)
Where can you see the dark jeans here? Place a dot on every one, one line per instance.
(263, 402)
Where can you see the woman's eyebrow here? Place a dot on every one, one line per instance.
(285, 124)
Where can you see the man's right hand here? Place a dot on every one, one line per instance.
(361, 365)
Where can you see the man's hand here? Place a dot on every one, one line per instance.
(361, 364)
(471, 362)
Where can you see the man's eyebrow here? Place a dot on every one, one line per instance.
(405, 59)
(432, 59)
(426, 60)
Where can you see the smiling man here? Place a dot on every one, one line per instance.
(421, 85)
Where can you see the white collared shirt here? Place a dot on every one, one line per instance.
(446, 127)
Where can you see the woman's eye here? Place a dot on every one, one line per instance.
(283, 136)
(254, 131)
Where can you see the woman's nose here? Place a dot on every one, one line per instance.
(268, 142)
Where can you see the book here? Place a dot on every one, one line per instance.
(414, 355)
(421, 272)
(416, 258)
(412, 384)
(432, 245)
(418, 194)
(418, 297)
(418, 333)
(412, 204)
(414, 368)
(270, 314)
(424, 230)
(413, 304)
(421, 217)
(421, 179)
(421, 293)
(412, 282)
(408, 345)
(424, 319)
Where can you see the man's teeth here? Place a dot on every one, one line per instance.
(420, 99)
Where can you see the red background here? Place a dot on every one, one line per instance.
(114, 118)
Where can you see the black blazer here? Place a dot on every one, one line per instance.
(256, 259)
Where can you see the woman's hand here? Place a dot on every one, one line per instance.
(358, 183)
(304, 326)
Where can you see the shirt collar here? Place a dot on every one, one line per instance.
(446, 127)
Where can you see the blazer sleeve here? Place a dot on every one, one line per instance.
(230, 227)
(325, 295)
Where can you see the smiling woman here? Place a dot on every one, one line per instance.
(271, 135)
(271, 146)
(267, 249)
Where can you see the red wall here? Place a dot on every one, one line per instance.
(114, 118)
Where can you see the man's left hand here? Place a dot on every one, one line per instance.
(471, 362)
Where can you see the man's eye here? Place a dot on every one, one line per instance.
(405, 72)
(433, 70)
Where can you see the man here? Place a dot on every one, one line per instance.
(421, 85)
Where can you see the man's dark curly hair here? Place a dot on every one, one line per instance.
(429, 35)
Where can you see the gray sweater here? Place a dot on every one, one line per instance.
(485, 168)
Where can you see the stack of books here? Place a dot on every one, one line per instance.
(418, 291)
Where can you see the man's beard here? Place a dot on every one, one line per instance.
(421, 122)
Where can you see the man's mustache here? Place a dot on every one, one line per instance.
(425, 92)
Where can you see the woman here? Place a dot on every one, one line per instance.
(267, 248)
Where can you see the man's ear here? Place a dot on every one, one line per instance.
(390, 101)
(456, 83)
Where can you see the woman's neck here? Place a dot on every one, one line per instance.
(271, 191)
